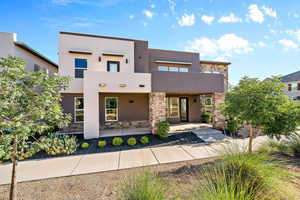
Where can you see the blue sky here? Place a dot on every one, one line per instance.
(260, 37)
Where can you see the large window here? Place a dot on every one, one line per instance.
(78, 109)
(113, 66)
(173, 69)
(80, 66)
(111, 109)
(173, 107)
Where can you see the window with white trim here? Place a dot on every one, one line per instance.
(80, 67)
(111, 109)
(78, 109)
(173, 107)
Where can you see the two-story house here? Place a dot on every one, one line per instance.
(292, 82)
(122, 83)
(34, 60)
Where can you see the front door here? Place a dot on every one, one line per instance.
(183, 109)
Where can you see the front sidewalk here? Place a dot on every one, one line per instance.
(91, 163)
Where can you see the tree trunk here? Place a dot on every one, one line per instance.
(250, 139)
(13, 185)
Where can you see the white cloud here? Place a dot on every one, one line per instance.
(152, 6)
(172, 5)
(131, 16)
(148, 13)
(64, 2)
(222, 48)
(231, 18)
(269, 11)
(145, 24)
(207, 19)
(295, 15)
(288, 44)
(255, 14)
(261, 44)
(187, 20)
(294, 33)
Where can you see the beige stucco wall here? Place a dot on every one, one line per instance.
(97, 46)
(294, 93)
(7, 47)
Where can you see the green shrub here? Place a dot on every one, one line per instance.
(294, 144)
(117, 141)
(101, 143)
(54, 145)
(232, 126)
(131, 141)
(289, 146)
(144, 140)
(163, 129)
(143, 186)
(206, 117)
(242, 176)
(26, 149)
(85, 145)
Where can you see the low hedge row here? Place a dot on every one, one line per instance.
(118, 141)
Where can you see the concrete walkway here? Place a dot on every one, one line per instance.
(91, 163)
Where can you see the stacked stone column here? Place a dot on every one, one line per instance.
(218, 118)
(157, 109)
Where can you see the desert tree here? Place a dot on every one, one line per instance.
(30, 105)
(262, 105)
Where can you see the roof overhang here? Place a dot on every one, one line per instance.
(215, 62)
(173, 62)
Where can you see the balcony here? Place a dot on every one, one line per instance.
(187, 82)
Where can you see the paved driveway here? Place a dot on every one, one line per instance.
(91, 163)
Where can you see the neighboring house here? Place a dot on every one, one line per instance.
(121, 83)
(34, 60)
(292, 82)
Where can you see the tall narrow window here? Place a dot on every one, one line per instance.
(111, 109)
(298, 86)
(80, 66)
(113, 66)
(78, 109)
(289, 87)
(173, 107)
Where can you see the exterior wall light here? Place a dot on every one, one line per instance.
(122, 85)
(142, 86)
(102, 85)
(99, 59)
(126, 60)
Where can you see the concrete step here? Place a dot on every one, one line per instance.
(210, 135)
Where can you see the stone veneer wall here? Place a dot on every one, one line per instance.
(157, 109)
(218, 118)
(78, 127)
(126, 124)
(213, 67)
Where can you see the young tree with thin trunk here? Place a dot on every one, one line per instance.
(29, 106)
(262, 105)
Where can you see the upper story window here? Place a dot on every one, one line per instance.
(289, 87)
(173, 69)
(80, 66)
(298, 86)
(113, 66)
(37, 68)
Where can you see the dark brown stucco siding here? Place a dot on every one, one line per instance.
(68, 103)
(138, 110)
(179, 56)
(141, 56)
(186, 82)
